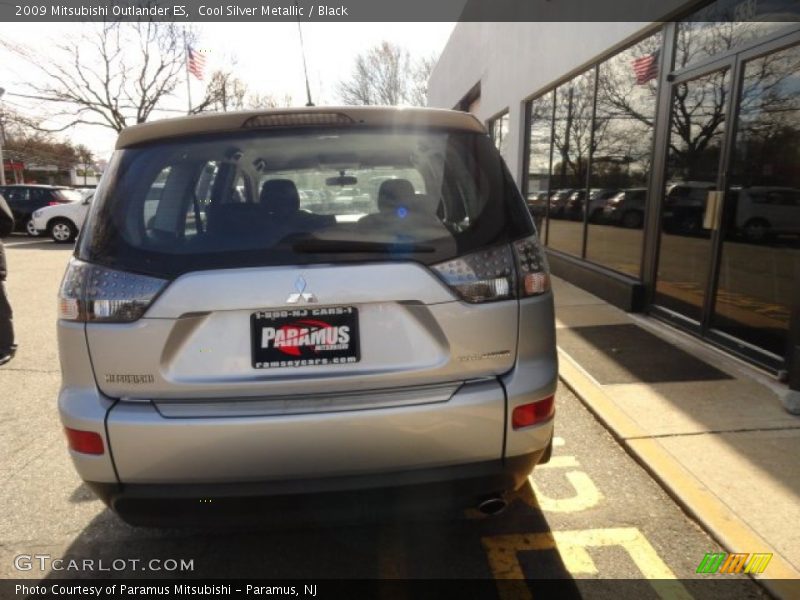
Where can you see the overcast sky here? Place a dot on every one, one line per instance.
(264, 55)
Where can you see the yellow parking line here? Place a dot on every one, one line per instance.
(559, 462)
(586, 495)
(572, 547)
(690, 492)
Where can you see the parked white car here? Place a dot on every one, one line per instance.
(62, 222)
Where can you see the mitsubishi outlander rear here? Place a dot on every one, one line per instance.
(290, 303)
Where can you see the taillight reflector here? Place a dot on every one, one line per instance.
(533, 413)
(86, 442)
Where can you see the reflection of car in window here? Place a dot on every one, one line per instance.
(558, 202)
(626, 208)
(764, 212)
(598, 198)
(685, 205)
(537, 202)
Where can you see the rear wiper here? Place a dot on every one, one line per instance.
(355, 246)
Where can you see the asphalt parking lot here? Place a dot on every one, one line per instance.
(591, 513)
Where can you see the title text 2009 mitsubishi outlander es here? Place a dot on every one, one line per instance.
(278, 304)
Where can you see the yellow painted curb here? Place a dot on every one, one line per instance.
(697, 499)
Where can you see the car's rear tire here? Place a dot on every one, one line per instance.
(30, 228)
(62, 231)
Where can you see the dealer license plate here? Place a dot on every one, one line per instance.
(305, 337)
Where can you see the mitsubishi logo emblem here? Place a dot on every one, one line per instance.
(301, 294)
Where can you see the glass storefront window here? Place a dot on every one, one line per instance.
(725, 24)
(498, 129)
(627, 88)
(760, 262)
(572, 131)
(697, 134)
(540, 137)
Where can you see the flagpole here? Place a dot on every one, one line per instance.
(186, 64)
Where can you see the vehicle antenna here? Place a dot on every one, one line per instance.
(303, 54)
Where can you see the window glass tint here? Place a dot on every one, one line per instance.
(541, 133)
(589, 153)
(40, 195)
(499, 131)
(15, 194)
(623, 142)
(697, 132)
(761, 221)
(725, 24)
(572, 130)
(152, 199)
(302, 197)
(345, 201)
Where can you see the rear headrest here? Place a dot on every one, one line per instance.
(394, 193)
(279, 196)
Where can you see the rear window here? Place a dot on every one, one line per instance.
(302, 197)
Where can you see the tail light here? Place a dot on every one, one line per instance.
(498, 273)
(94, 293)
(483, 276)
(295, 119)
(533, 413)
(533, 274)
(86, 442)
(54, 203)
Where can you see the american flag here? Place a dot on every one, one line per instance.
(646, 68)
(196, 62)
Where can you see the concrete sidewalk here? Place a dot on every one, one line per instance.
(710, 428)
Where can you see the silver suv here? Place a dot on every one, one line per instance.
(220, 341)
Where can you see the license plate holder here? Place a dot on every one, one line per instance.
(305, 337)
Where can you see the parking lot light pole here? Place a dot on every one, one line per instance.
(2, 141)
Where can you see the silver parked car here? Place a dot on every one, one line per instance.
(220, 342)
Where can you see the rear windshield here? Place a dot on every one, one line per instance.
(302, 197)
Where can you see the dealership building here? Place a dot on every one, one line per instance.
(661, 160)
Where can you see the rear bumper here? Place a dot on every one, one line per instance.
(145, 448)
(151, 448)
(375, 495)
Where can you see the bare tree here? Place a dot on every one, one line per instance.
(113, 75)
(224, 92)
(421, 73)
(35, 148)
(269, 101)
(572, 131)
(386, 74)
(85, 159)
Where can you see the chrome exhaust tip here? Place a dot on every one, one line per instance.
(493, 506)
